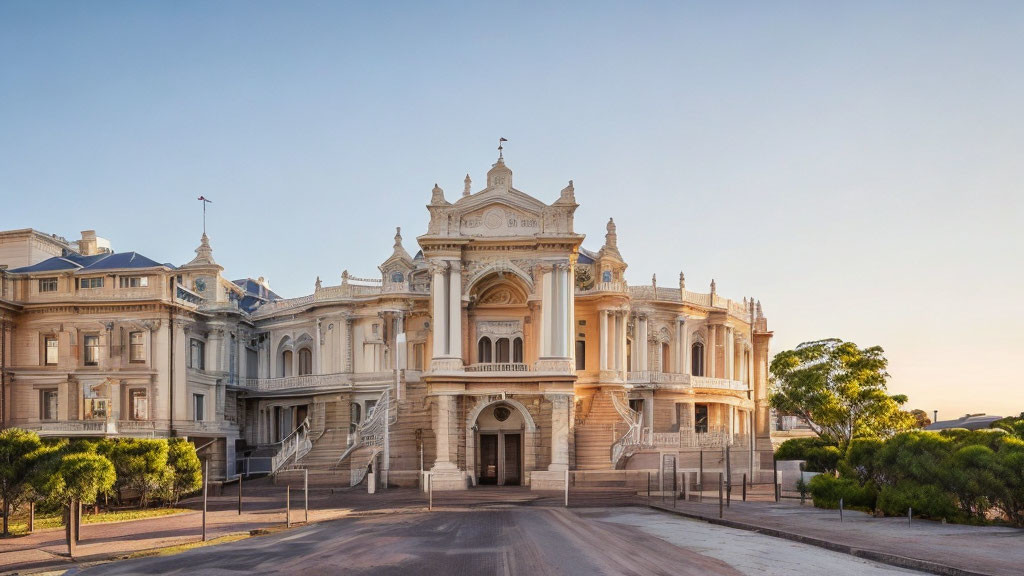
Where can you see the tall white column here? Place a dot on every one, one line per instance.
(439, 292)
(318, 351)
(644, 363)
(711, 368)
(545, 313)
(570, 312)
(603, 341)
(443, 430)
(455, 310)
(559, 432)
(687, 355)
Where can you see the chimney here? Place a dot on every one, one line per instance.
(87, 245)
(935, 415)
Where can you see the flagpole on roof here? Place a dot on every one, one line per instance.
(205, 202)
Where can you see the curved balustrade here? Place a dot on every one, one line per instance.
(652, 377)
(293, 447)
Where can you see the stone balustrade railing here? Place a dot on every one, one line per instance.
(617, 286)
(717, 383)
(337, 380)
(498, 367)
(653, 377)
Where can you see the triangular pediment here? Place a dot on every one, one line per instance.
(508, 216)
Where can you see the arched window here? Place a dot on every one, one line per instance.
(483, 352)
(697, 359)
(629, 354)
(501, 350)
(305, 361)
(286, 363)
(517, 350)
(355, 416)
(664, 357)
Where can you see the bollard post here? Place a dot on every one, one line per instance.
(700, 479)
(840, 510)
(31, 516)
(744, 487)
(648, 488)
(206, 484)
(721, 482)
(910, 515)
(305, 487)
(239, 494)
(430, 491)
(775, 477)
(78, 523)
(728, 477)
(566, 487)
(288, 506)
(72, 535)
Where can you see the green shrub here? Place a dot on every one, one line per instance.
(820, 455)
(186, 470)
(141, 466)
(826, 490)
(926, 500)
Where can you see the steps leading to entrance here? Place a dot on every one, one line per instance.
(594, 437)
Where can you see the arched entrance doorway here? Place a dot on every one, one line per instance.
(502, 430)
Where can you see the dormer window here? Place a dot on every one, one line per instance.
(397, 277)
(606, 276)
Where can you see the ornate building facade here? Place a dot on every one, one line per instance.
(503, 352)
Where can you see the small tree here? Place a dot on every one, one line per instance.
(186, 470)
(141, 465)
(839, 389)
(921, 419)
(17, 450)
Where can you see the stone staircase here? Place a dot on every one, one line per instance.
(322, 458)
(595, 435)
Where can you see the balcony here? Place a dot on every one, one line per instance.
(73, 428)
(617, 287)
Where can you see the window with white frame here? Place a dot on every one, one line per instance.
(47, 284)
(50, 350)
(197, 354)
(94, 282)
(138, 403)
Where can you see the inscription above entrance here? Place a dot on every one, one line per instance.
(500, 221)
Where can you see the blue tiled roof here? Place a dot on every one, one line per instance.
(586, 256)
(112, 261)
(256, 294)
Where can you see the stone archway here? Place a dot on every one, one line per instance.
(495, 429)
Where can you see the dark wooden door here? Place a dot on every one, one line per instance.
(488, 459)
(513, 457)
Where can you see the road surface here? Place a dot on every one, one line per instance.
(507, 540)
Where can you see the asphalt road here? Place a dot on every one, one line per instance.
(507, 541)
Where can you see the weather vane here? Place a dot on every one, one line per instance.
(205, 202)
(500, 140)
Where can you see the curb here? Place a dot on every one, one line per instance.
(874, 555)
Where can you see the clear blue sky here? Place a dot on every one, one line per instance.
(858, 168)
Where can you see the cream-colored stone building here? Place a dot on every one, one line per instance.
(503, 352)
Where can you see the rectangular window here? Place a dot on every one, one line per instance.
(581, 355)
(95, 282)
(417, 356)
(137, 347)
(91, 350)
(700, 418)
(197, 355)
(134, 281)
(48, 404)
(139, 403)
(198, 407)
(370, 405)
(47, 284)
(50, 350)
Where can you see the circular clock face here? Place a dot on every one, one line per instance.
(501, 413)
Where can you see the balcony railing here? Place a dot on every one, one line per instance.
(717, 383)
(618, 286)
(498, 367)
(71, 426)
(652, 377)
(337, 380)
